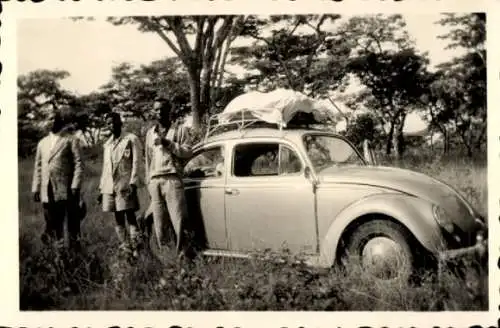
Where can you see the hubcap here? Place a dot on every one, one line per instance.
(383, 257)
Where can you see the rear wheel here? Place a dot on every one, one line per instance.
(381, 248)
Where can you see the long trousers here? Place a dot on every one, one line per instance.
(168, 202)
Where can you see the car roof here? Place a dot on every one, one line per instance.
(289, 134)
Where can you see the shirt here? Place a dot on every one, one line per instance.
(162, 160)
(53, 138)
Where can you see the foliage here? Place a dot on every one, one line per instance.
(204, 59)
(457, 96)
(39, 94)
(391, 70)
(317, 55)
(362, 127)
(132, 90)
(299, 52)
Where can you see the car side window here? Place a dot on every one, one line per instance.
(289, 161)
(209, 163)
(264, 159)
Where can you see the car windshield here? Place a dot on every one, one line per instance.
(327, 150)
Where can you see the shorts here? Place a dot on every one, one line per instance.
(120, 202)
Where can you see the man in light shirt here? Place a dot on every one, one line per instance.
(57, 180)
(167, 147)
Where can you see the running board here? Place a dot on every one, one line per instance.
(218, 252)
(310, 260)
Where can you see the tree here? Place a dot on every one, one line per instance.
(299, 52)
(363, 126)
(458, 94)
(132, 90)
(39, 93)
(204, 58)
(388, 66)
(89, 112)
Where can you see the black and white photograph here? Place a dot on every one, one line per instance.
(195, 162)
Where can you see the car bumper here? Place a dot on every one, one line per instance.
(479, 250)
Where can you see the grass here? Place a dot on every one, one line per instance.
(53, 279)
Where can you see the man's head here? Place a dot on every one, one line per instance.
(61, 119)
(163, 110)
(114, 123)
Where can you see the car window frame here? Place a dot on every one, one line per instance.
(279, 142)
(203, 149)
(302, 140)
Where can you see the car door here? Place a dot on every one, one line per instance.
(204, 184)
(269, 201)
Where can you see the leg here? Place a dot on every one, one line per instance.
(58, 216)
(133, 230)
(158, 210)
(48, 213)
(74, 222)
(120, 229)
(177, 209)
(54, 217)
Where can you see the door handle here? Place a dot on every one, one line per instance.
(230, 191)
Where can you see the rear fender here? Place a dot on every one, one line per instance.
(412, 212)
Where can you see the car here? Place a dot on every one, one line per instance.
(311, 192)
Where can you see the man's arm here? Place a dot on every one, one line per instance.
(147, 155)
(136, 153)
(37, 170)
(104, 159)
(78, 165)
(183, 148)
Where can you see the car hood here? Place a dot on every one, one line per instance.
(406, 181)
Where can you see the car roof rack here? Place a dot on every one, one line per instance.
(237, 122)
(247, 120)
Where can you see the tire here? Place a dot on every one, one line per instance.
(384, 232)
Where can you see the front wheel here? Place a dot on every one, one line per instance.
(381, 248)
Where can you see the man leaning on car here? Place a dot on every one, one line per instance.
(166, 148)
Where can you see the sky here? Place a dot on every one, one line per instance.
(89, 49)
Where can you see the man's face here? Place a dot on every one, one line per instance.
(113, 125)
(57, 123)
(156, 108)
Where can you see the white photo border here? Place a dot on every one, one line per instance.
(11, 316)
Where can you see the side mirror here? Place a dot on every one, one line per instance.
(368, 153)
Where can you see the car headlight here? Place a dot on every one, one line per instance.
(443, 219)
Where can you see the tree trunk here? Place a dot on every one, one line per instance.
(205, 91)
(446, 141)
(399, 142)
(388, 144)
(194, 93)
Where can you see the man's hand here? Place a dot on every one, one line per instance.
(99, 199)
(166, 143)
(36, 196)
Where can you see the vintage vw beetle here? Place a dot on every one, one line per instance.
(312, 192)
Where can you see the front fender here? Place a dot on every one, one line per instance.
(414, 213)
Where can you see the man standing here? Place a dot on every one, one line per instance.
(57, 180)
(119, 182)
(166, 148)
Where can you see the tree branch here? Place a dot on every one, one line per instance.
(157, 28)
(175, 24)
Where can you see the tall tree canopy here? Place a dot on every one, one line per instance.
(393, 73)
(457, 97)
(298, 52)
(204, 57)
